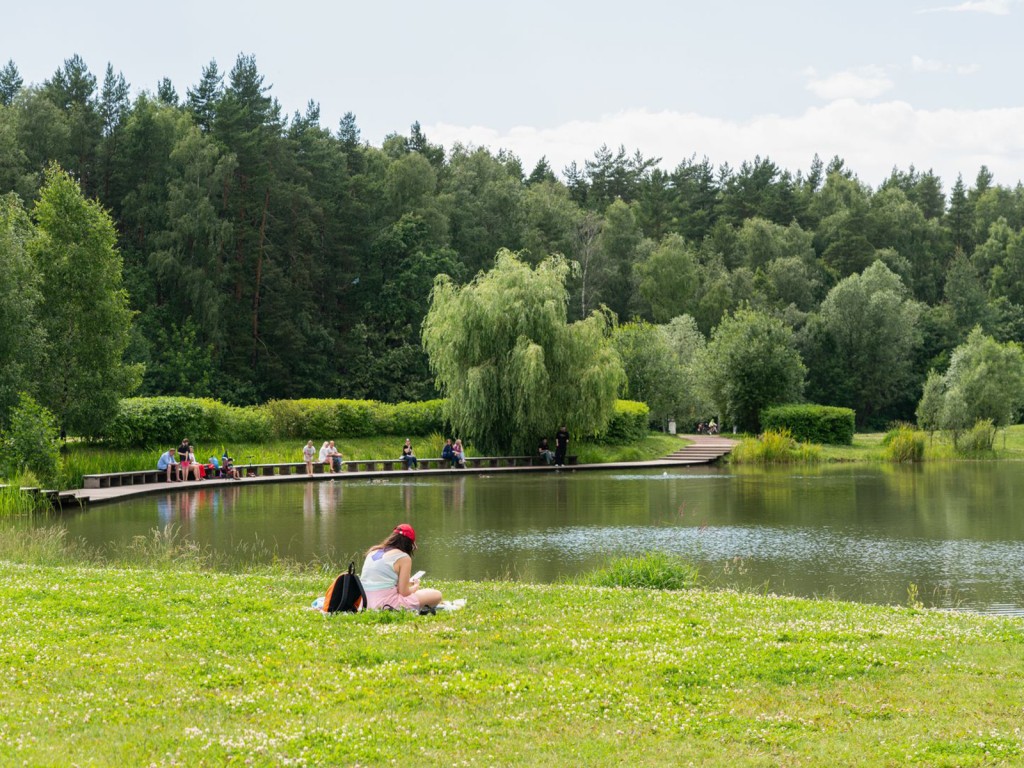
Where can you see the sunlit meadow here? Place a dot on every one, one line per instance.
(175, 664)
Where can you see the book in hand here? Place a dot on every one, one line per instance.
(417, 576)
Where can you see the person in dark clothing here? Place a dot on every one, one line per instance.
(448, 453)
(544, 452)
(561, 445)
(408, 457)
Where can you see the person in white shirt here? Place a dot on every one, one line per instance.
(324, 457)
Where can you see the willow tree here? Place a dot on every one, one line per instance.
(511, 366)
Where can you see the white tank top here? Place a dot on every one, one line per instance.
(379, 569)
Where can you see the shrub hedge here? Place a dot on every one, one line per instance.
(160, 421)
(629, 423)
(811, 423)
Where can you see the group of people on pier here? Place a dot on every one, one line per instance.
(180, 465)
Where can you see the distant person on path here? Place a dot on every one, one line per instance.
(712, 428)
(448, 453)
(308, 454)
(544, 452)
(561, 445)
(168, 463)
(387, 574)
(408, 457)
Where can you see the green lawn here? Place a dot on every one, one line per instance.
(176, 665)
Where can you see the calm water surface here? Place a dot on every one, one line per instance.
(861, 533)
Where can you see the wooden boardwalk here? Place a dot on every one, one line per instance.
(703, 449)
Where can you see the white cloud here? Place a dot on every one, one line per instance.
(929, 66)
(864, 83)
(871, 138)
(919, 64)
(993, 7)
(967, 69)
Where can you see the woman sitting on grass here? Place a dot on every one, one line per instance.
(387, 573)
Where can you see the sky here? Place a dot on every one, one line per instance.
(881, 83)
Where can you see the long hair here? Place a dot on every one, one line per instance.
(395, 541)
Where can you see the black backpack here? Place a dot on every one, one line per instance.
(346, 593)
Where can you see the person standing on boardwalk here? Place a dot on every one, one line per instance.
(308, 454)
(561, 445)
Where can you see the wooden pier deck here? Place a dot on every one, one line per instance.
(702, 449)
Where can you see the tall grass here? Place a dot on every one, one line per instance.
(652, 570)
(15, 502)
(903, 444)
(775, 447)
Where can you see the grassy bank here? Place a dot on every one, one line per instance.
(870, 447)
(176, 665)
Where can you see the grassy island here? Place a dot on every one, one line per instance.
(171, 663)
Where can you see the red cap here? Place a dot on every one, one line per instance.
(406, 530)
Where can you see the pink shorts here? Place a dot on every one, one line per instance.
(389, 598)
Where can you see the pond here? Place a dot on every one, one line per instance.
(863, 533)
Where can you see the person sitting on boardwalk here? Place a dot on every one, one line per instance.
(227, 466)
(308, 454)
(408, 457)
(448, 453)
(168, 463)
(324, 457)
(387, 574)
(459, 454)
(334, 455)
(544, 452)
(192, 466)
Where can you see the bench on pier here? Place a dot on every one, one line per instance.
(121, 479)
(296, 468)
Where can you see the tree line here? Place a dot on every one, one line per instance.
(265, 256)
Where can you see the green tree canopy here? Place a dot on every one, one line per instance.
(752, 362)
(985, 380)
(669, 279)
(512, 367)
(20, 336)
(84, 311)
(653, 373)
(865, 336)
